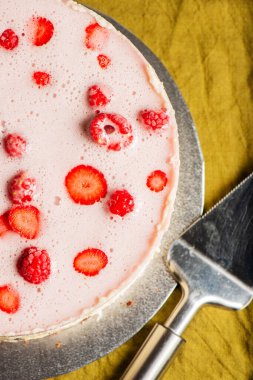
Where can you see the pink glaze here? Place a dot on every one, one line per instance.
(54, 121)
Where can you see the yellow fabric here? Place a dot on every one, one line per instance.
(207, 46)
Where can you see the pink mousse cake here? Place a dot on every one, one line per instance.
(89, 164)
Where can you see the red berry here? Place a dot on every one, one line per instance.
(34, 265)
(15, 145)
(9, 299)
(98, 97)
(25, 220)
(9, 39)
(96, 36)
(86, 185)
(90, 261)
(103, 61)
(4, 224)
(41, 78)
(22, 188)
(157, 181)
(43, 31)
(121, 202)
(154, 119)
(112, 131)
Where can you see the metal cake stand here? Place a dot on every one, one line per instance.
(93, 338)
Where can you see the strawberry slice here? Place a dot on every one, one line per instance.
(90, 261)
(9, 299)
(96, 36)
(86, 185)
(25, 220)
(43, 31)
(157, 181)
(4, 224)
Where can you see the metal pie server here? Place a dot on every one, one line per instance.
(213, 263)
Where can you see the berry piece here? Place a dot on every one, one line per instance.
(154, 119)
(103, 61)
(157, 181)
(112, 131)
(90, 261)
(41, 78)
(9, 299)
(121, 202)
(9, 39)
(98, 97)
(43, 31)
(15, 145)
(25, 220)
(34, 265)
(4, 224)
(96, 36)
(22, 188)
(86, 185)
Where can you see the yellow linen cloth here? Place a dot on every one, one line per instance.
(207, 46)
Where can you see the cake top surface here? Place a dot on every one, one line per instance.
(89, 163)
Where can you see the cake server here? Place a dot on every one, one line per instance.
(213, 263)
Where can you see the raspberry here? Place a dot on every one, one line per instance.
(121, 203)
(34, 265)
(154, 119)
(41, 78)
(98, 97)
(22, 188)
(103, 61)
(112, 131)
(15, 145)
(9, 39)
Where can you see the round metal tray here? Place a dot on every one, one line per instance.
(97, 336)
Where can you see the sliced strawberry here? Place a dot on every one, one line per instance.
(25, 220)
(98, 96)
(96, 36)
(103, 61)
(43, 31)
(90, 261)
(9, 299)
(157, 181)
(4, 224)
(86, 185)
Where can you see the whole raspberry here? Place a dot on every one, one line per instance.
(41, 78)
(15, 145)
(121, 203)
(154, 119)
(22, 188)
(34, 265)
(9, 39)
